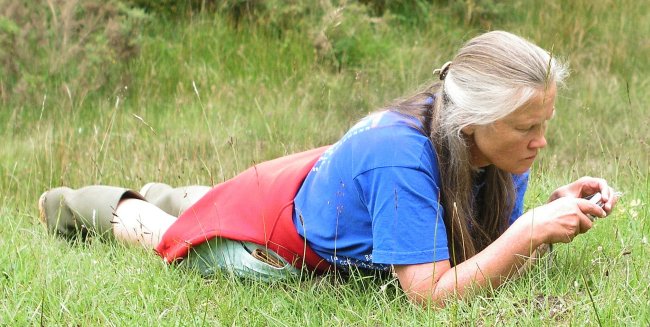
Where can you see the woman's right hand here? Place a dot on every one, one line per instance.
(561, 220)
(585, 186)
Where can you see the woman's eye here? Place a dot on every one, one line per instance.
(524, 128)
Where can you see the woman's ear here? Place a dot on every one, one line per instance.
(468, 130)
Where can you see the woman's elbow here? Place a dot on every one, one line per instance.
(426, 297)
(421, 283)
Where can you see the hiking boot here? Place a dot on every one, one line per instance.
(84, 212)
(173, 201)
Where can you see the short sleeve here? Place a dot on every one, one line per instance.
(407, 217)
(521, 183)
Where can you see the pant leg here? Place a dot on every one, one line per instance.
(173, 201)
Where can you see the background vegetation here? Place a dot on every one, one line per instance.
(126, 92)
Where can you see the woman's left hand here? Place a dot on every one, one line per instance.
(586, 186)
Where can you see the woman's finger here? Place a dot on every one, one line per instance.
(585, 223)
(588, 185)
(604, 189)
(589, 208)
(611, 201)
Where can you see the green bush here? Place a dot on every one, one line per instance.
(349, 34)
(71, 46)
(476, 13)
(346, 33)
(238, 10)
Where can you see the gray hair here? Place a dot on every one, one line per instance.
(491, 76)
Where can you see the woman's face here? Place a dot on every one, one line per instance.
(512, 142)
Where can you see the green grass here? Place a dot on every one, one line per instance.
(259, 96)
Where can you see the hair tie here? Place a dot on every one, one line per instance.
(442, 71)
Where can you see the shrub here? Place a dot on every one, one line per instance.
(76, 46)
(348, 34)
(476, 13)
(237, 10)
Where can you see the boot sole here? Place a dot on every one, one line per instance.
(41, 208)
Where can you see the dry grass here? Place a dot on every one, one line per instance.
(260, 96)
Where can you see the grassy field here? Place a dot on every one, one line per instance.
(204, 100)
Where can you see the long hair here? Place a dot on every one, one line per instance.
(491, 76)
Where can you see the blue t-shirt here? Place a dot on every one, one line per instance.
(372, 199)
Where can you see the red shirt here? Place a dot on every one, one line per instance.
(255, 206)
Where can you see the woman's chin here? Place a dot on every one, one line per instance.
(518, 169)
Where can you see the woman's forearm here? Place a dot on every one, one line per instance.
(494, 264)
(558, 221)
(490, 267)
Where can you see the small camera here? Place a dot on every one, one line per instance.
(596, 199)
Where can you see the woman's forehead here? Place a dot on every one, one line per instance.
(540, 107)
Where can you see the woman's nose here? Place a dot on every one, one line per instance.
(538, 142)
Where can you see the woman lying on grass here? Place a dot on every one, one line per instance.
(430, 188)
